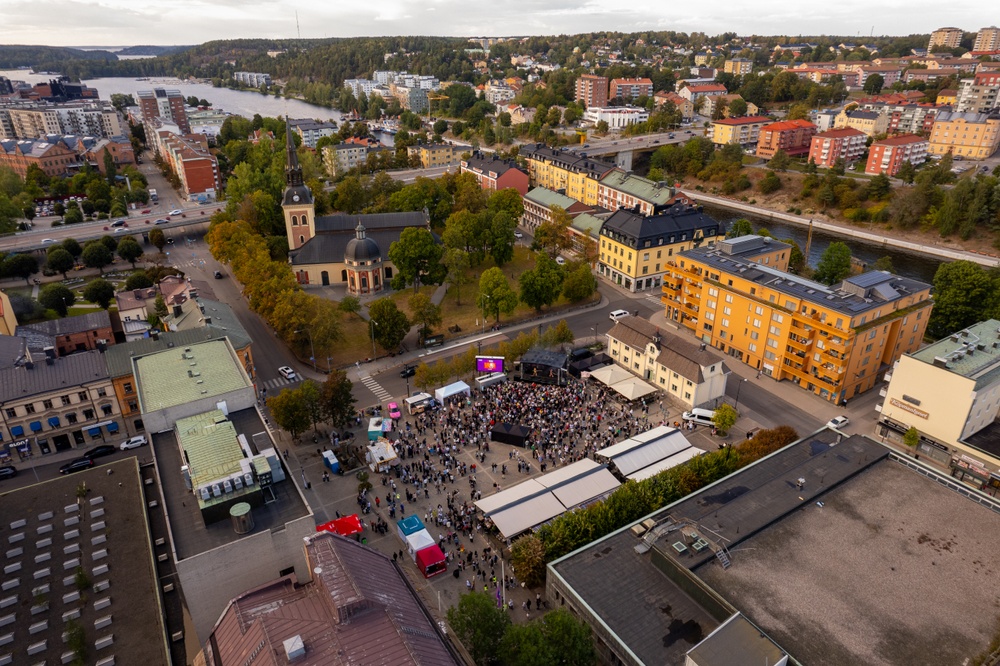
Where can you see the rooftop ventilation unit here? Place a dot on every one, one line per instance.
(216, 490)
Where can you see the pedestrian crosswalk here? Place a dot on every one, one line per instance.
(375, 388)
(278, 382)
(655, 298)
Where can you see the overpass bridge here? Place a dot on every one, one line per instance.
(623, 149)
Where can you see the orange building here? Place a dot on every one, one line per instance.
(54, 159)
(791, 136)
(845, 143)
(592, 90)
(888, 155)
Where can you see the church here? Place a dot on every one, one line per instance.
(352, 250)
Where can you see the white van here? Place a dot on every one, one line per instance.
(418, 403)
(700, 416)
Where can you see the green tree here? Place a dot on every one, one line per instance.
(495, 294)
(336, 399)
(138, 280)
(741, 227)
(779, 161)
(796, 259)
(879, 187)
(540, 286)
(417, 258)
(350, 304)
(579, 282)
(309, 393)
(884, 264)
(73, 247)
(290, 411)
(389, 323)
(963, 293)
(834, 264)
(157, 239)
(160, 306)
(110, 168)
(769, 183)
(911, 438)
(477, 622)
(601, 127)
(907, 172)
(873, 84)
(97, 255)
(527, 556)
(59, 260)
(569, 638)
(526, 645)
(725, 418)
(553, 236)
(425, 313)
(129, 250)
(57, 297)
(456, 261)
(738, 107)
(73, 216)
(101, 292)
(20, 265)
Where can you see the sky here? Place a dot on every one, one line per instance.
(127, 22)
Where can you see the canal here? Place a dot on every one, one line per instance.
(909, 265)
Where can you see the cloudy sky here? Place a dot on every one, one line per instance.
(125, 22)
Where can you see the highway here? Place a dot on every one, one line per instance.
(614, 144)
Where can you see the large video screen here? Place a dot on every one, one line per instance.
(487, 365)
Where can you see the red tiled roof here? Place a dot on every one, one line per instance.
(839, 133)
(788, 125)
(900, 140)
(746, 120)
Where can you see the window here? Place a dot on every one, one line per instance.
(725, 322)
(756, 323)
(752, 347)
(106, 409)
(774, 330)
(128, 387)
(64, 399)
(729, 297)
(754, 335)
(771, 342)
(29, 408)
(46, 404)
(645, 255)
(727, 310)
(11, 412)
(712, 291)
(71, 418)
(102, 392)
(88, 414)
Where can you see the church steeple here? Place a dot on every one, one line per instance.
(359, 231)
(293, 172)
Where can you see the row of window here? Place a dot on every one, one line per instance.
(64, 400)
(71, 417)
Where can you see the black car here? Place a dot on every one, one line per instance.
(76, 465)
(218, 275)
(99, 451)
(407, 371)
(7, 472)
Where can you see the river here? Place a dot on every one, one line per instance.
(909, 265)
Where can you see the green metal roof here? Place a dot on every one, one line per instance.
(211, 446)
(185, 374)
(639, 187)
(969, 352)
(549, 198)
(586, 223)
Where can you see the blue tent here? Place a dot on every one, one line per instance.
(408, 526)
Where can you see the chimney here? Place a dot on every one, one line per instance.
(177, 311)
(50, 352)
(208, 320)
(155, 335)
(29, 365)
(50, 360)
(137, 293)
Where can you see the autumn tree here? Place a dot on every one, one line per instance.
(425, 313)
(495, 294)
(290, 411)
(553, 235)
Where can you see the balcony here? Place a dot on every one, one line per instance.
(797, 372)
(799, 345)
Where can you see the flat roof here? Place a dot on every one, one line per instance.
(973, 352)
(184, 374)
(49, 535)
(633, 454)
(210, 446)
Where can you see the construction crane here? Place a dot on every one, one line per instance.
(431, 98)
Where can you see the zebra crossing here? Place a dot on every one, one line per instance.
(375, 388)
(278, 382)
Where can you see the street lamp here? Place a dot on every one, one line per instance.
(738, 388)
(312, 350)
(485, 298)
(374, 353)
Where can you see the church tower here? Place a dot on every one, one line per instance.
(297, 204)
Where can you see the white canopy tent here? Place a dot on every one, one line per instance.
(649, 452)
(418, 541)
(610, 374)
(633, 388)
(665, 464)
(451, 390)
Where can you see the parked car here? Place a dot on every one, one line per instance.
(394, 412)
(407, 371)
(7, 472)
(286, 372)
(560, 260)
(838, 422)
(145, 211)
(76, 465)
(99, 451)
(133, 443)
(518, 235)
(218, 275)
(176, 211)
(618, 314)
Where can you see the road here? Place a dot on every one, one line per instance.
(615, 144)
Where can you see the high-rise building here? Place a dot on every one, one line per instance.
(166, 104)
(592, 90)
(987, 39)
(948, 37)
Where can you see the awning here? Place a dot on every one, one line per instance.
(53, 421)
(35, 426)
(17, 431)
(94, 432)
(112, 427)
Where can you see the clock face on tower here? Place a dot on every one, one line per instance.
(295, 197)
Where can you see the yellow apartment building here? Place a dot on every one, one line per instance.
(869, 122)
(432, 155)
(744, 131)
(575, 174)
(975, 136)
(832, 341)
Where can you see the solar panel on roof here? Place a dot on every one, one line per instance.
(869, 279)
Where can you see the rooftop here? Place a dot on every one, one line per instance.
(973, 352)
(489, 164)
(566, 159)
(340, 223)
(639, 187)
(679, 354)
(663, 228)
(587, 224)
(549, 198)
(64, 373)
(12, 350)
(53, 328)
(786, 125)
(51, 536)
(119, 357)
(182, 375)
(840, 133)
(744, 120)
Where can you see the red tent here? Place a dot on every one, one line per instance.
(345, 526)
(431, 561)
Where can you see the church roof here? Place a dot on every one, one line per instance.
(331, 248)
(341, 223)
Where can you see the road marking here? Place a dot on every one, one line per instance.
(375, 388)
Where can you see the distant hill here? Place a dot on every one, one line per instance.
(149, 50)
(32, 56)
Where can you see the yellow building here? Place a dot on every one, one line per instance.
(745, 131)
(832, 341)
(948, 37)
(974, 136)
(566, 170)
(433, 155)
(869, 122)
(950, 392)
(636, 250)
(948, 96)
(738, 66)
(8, 322)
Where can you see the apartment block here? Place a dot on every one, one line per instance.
(888, 155)
(694, 91)
(738, 66)
(617, 117)
(832, 341)
(630, 88)
(53, 158)
(345, 156)
(683, 105)
(559, 169)
(713, 101)
(948, 37)
(636, 250)
(744, 131)
(827, 147)
(31, 120)
(987, 39)
(196, 167)
(433, 155)
(792, 136)
(255, 79)
(592, 90)
(970, 135)
(538, 204)
(166, 104)
(495, 174)
(869, 122)
(618, 189)
(976, 97)
(311, 131)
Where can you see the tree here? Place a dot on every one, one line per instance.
(73, 216)
(336, 399)
(425, 312)
(101, 292)
(477, 621)
(579, 282)
(158, 239)
(160, 306)
(20, 265)
(440, 126)
(569, 638)
(417, 258)
(59, 260)
(796, 259)
(911, 438)
(907, 172)
(541, 285)
(835, 264)
(309, 394)
(290, 411)
(97, 255)
(738, 107)
(602, 127)
(884, 264)
(963, 292)
(389, 323)
(129, 250)
(769, 183)
(110, 168)
(57, 297)
(350, 304)
(779, 161)
(725, 418)
(527, 556)
(456, 260)
(741, 227)
(879, 187)
(526, 645)
(73, 247)
(873, 84)
(138, 280)
(553, 236)
(495, 294)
